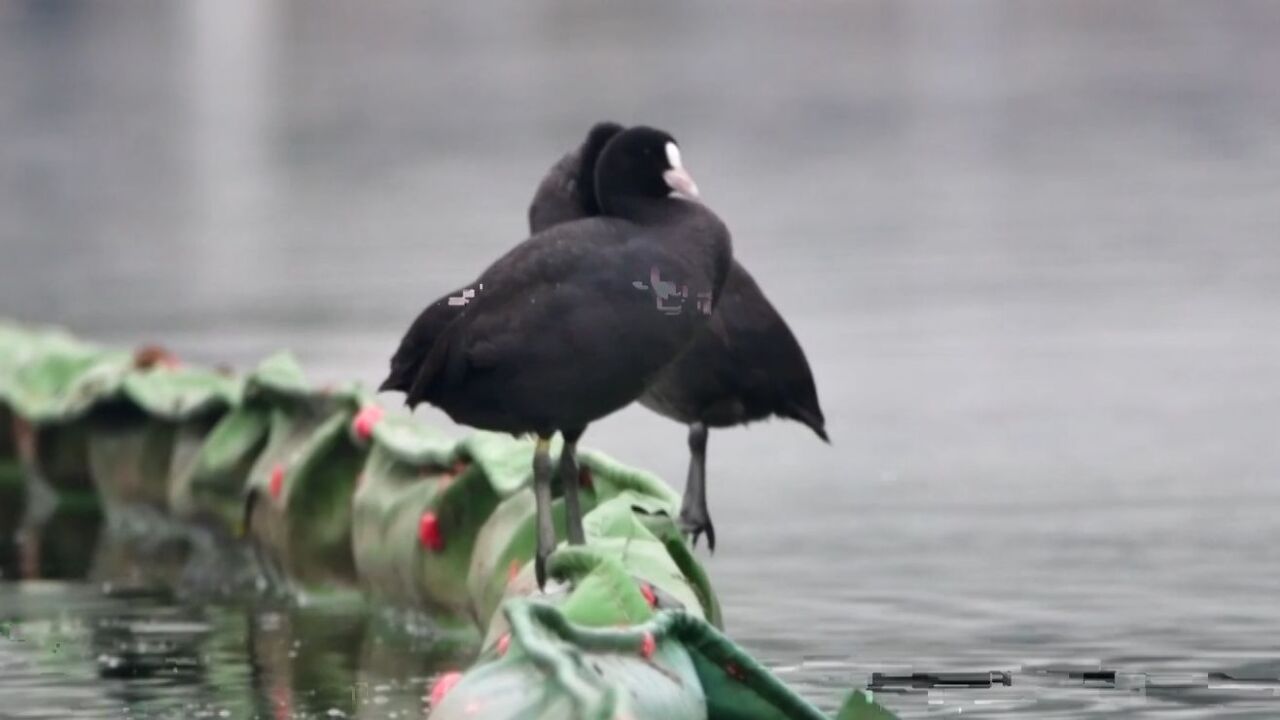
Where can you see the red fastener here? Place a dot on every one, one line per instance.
(734, 671)
(585, 479)
(443, 685)
(504, 642)
(368, 416)
(429, 532)
(513, 571)
(283, 697)
(277, 482)
(649, 595)
(648, 645)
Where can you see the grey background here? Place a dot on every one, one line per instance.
(1030, 249)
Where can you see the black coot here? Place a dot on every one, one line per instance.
(569, 194)
(746, 365)
(568, 326)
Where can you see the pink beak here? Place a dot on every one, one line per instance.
(681, 182)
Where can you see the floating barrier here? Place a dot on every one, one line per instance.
(331, 494)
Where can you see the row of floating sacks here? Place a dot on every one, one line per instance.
(332, 494)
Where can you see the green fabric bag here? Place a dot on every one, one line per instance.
(431, 513)
(331, 491)
(670, 667)
(45, 378)
(137, 436)
(416, 515)
(298, 492)
(208, 485)
(50, 377)
(551, 669)
(621, 574)
(500, 565)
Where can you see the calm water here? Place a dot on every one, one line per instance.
(1031, 250)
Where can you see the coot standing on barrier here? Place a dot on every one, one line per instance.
(746, 365)
(570, 193)
(564, 329)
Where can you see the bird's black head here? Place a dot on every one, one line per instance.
(568, 191)
(589, 155)
(641, 162)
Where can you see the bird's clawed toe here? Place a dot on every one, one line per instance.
(694, 524)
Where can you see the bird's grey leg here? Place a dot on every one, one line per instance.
(694, 518)
(546, 538)
(569, 480)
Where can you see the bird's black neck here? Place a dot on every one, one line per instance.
(644, 210)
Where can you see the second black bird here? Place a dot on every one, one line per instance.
(562, 330)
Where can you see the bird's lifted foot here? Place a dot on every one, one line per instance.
(694, 522)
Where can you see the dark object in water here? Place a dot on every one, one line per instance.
(562, 330)
(881, 681)
(745, 366)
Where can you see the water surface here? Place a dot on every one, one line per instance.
(1031, 250)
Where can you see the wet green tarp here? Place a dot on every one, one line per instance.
(332, 493)
(430, 510)
(47, 377)
(667, 666)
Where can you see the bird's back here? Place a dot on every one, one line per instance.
(560, 196)
(418, 341)
(568, 327)
(746, 365)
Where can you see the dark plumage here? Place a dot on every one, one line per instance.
(563, 330)
(569, 194)
(746, 365)
(560, 312)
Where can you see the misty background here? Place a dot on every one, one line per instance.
(1032, 251)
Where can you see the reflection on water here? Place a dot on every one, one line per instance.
(124, 644)
(1030, 250)
(134, 637)
(145, 655)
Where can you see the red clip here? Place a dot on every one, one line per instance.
(504, 642)
(734, 671)
(585, 479)
(429, 532)
(277, 482)
(443, 685)
(649, 595)
(648, 646)
(368, 416)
